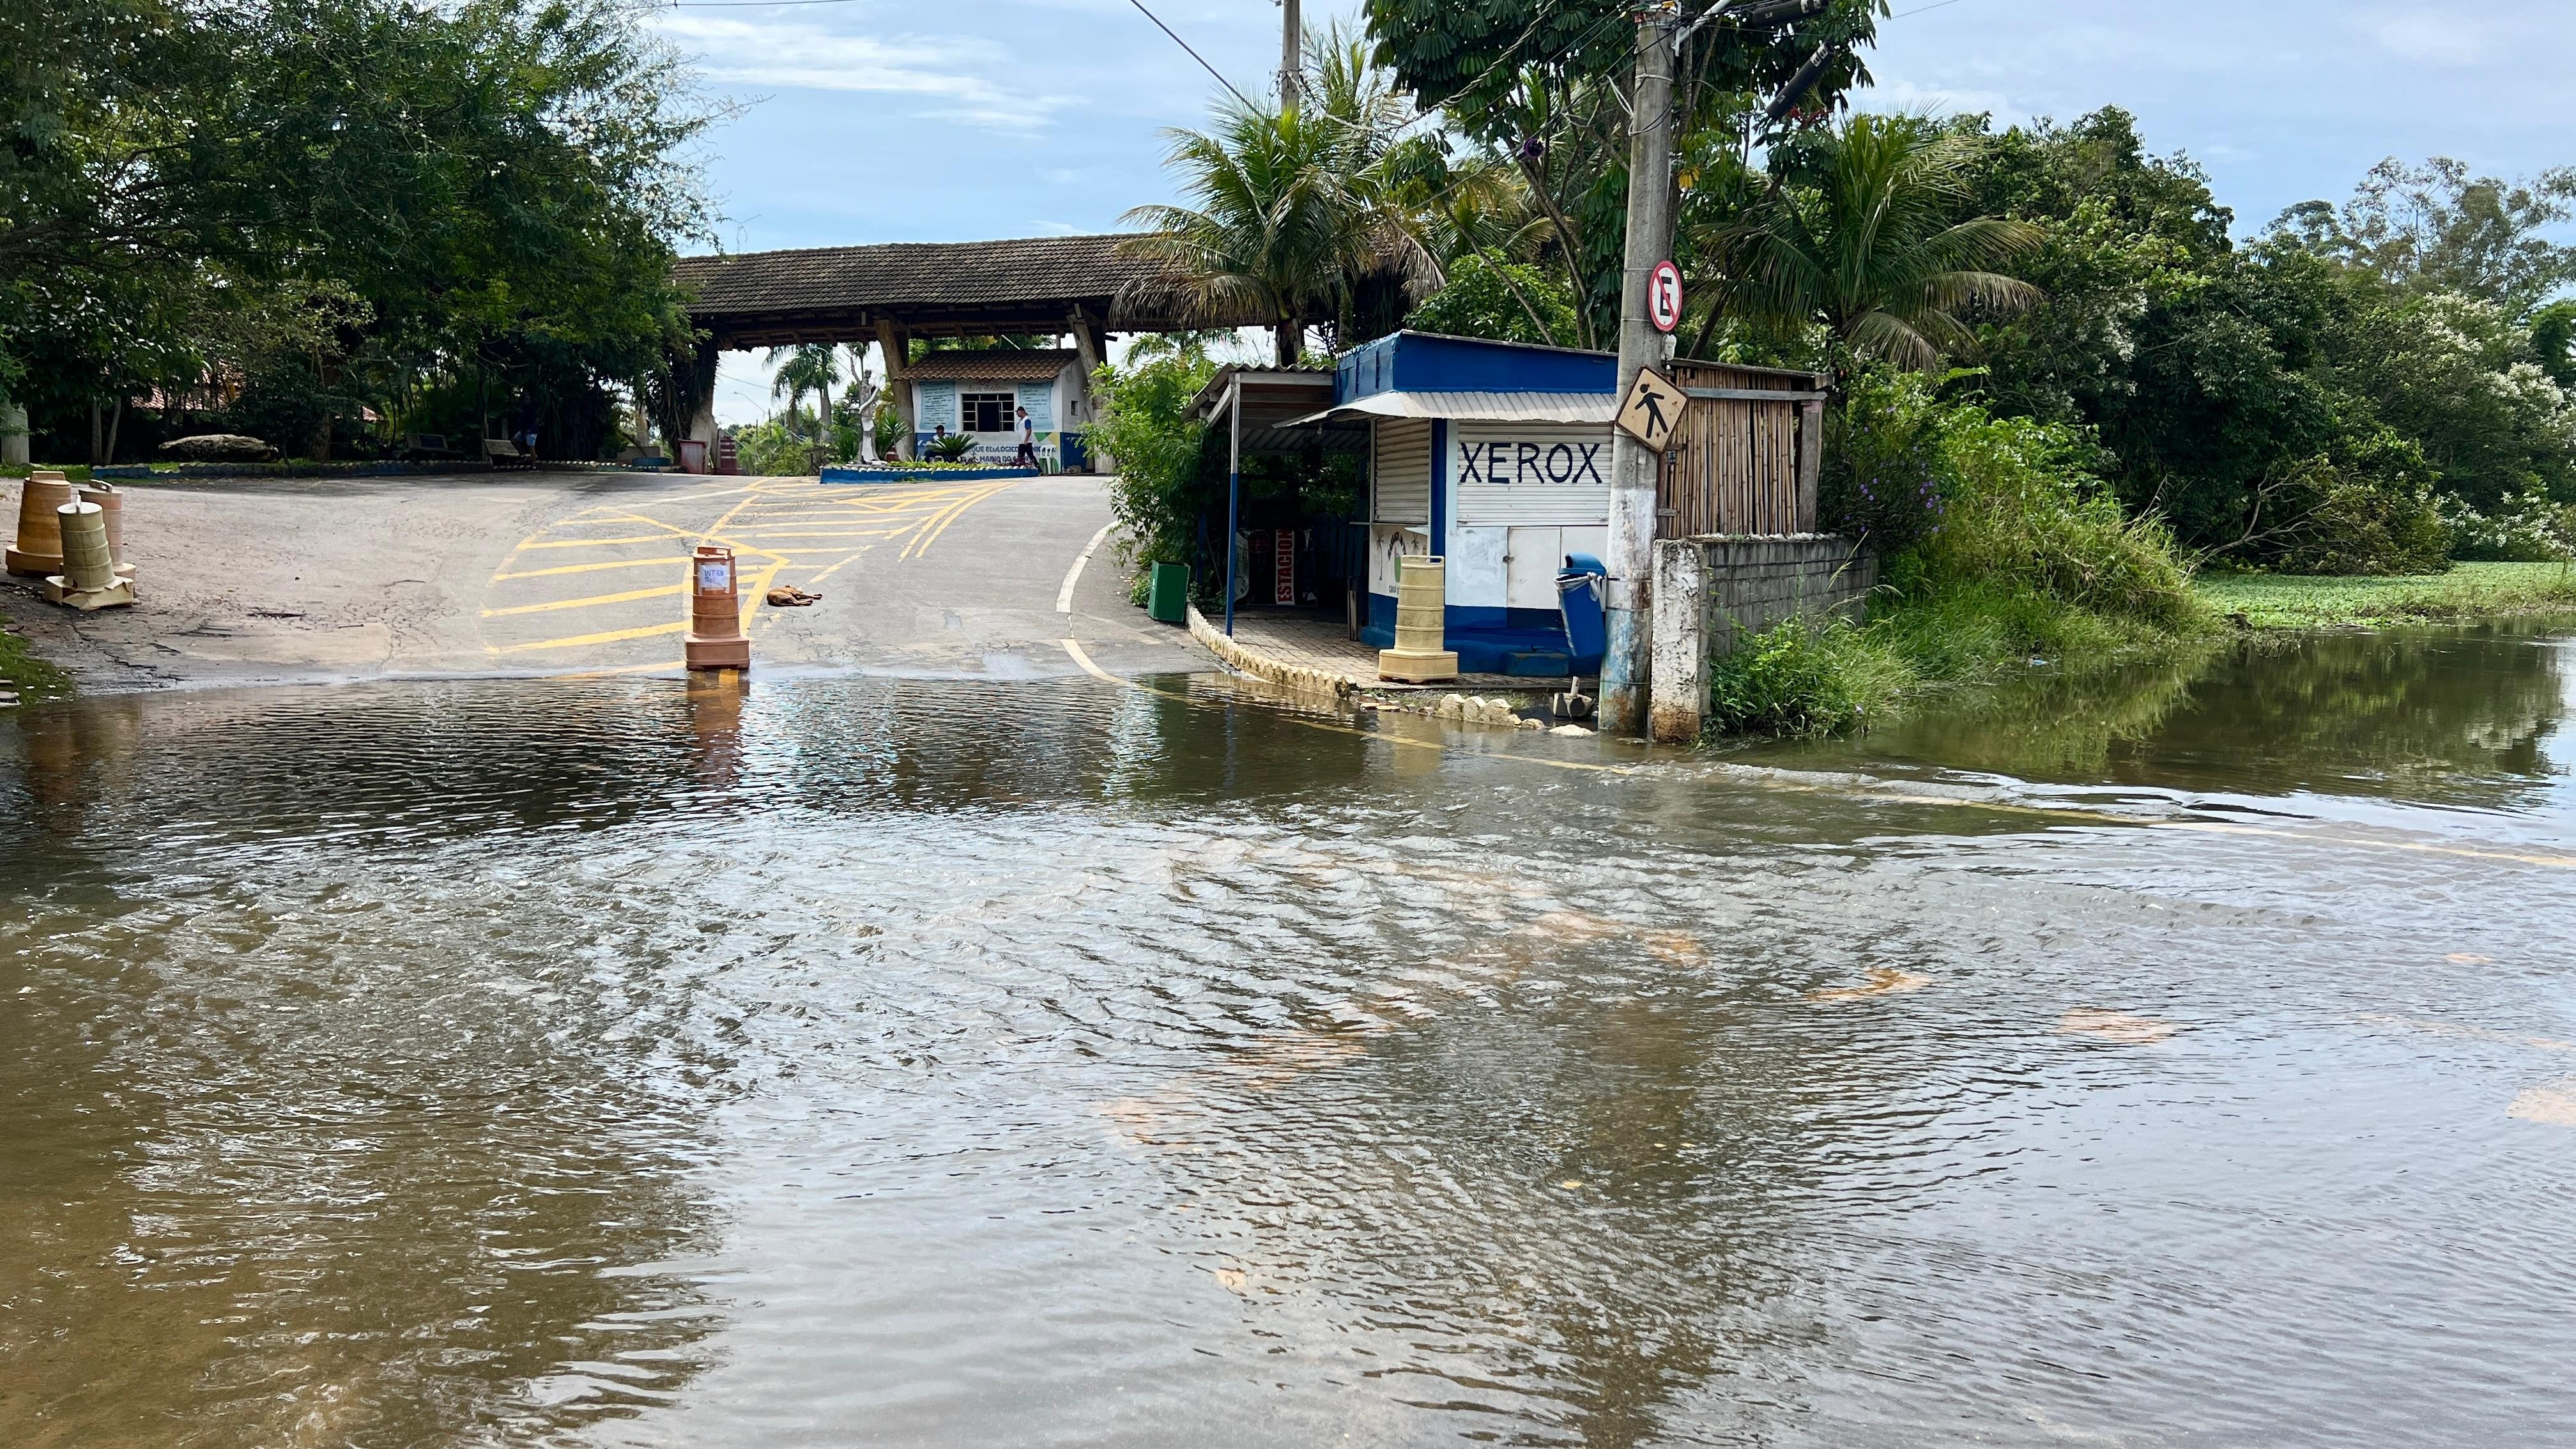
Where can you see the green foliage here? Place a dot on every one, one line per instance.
(779, 447)
(2553, 343)
(1868, 238)
(1297, 214)
(2440, 228)
(1998, 543)
(1805, 676)
(2467, 591)
(2008, 503)
(498, 186)
(1883, 471)
(1162, 486)
(2314, 401)
(1538, 93)
(2354, 521)
(1506, 301)
(952, 448)
(35, 678)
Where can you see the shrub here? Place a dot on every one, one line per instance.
(1953, 496)
(952, 448)
(1145, 427)
(1883, 475)
(1482, 299)
(1805, 676)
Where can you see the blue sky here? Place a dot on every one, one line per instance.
(879, 121)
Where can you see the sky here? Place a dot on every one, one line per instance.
(872, 121)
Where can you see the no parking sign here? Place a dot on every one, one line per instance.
(1664, 296)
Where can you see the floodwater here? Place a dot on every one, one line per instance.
(865, 1061)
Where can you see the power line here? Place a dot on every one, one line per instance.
(1194, 55)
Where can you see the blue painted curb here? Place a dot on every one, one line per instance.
(922, 475)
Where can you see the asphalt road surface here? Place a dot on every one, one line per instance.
(260, 581)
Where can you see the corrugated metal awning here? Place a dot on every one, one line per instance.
(1485, 407)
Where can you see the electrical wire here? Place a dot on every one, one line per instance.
(1194, 55)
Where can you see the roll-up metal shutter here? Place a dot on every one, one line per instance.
(1524, 474)
(1403, 471)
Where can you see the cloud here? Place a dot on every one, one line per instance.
(2430, 39)
(952, 76)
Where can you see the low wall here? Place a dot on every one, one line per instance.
(1262, 666)
(861, 473)
(1712, 593)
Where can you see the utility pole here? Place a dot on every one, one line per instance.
(1633, 468)
(1292, 45)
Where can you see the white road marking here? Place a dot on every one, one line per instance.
(1064, 596)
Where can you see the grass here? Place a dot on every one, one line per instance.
(1811, 676)
(2468, 591)
(33, 678)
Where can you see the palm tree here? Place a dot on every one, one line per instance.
(807, 367)
(1297, 210)
(1870, 250)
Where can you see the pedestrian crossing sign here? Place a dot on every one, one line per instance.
(1652, 410)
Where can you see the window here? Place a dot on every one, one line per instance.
(989, 412)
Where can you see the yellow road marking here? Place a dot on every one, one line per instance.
(938, 522)
(1094, 670)
(656, 592)
(763, 533)
(590, 542)
(592, 568)
(610, 637)
(2212, 827)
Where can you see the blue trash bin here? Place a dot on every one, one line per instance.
(1578, 594)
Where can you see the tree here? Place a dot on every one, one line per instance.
(1506, 301)
(1863, 237)
(1297, 214)
(502, 184)
(807, 367)
(1544, 91)
(2440, 228)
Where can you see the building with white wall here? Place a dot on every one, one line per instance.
(980, 394)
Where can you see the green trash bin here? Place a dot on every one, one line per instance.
(1167, 598)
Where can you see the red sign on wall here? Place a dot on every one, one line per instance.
(1283, 566)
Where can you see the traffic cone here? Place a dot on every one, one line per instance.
(1421, 623)
(715, 639)
(39, 549)
(111, 500)
(88, 580)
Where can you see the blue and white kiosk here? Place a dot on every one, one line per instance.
(1495, 456)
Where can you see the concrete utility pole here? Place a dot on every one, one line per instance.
(1292, 44)
(1632, 467)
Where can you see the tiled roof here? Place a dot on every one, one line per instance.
(910, 274)
(1038, 364)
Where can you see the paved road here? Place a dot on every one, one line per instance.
(261, 582)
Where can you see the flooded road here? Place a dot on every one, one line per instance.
(867, 1061)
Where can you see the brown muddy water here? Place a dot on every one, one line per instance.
(870, 1062)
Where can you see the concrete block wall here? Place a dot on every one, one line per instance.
(1751, 584)
(1712, 593)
